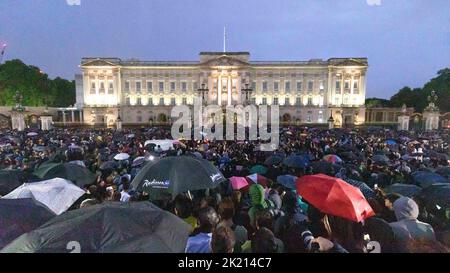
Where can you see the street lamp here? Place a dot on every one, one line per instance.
(247, 91)
(202, 91)
(331, 122)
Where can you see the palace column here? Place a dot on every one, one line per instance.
(219, 90)
(73, 116)
(229, 83)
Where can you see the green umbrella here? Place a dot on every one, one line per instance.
(259, 169)
(176, 174)
(79, 175)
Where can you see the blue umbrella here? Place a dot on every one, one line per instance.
(296, 161)
(426, 179)
(366, 190)
(390, 142)
(287, 181)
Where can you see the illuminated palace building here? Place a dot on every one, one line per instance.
(143, 92)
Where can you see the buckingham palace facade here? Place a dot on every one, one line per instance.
(143, 92)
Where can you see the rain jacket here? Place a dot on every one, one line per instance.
(407, 226)
(258, 202)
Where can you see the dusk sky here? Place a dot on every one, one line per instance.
(406, 41)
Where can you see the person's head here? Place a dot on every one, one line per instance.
(183, 206)
(405, 209)
(264, 241)
(264, 218)
(390, 199)
(92, 189)
(226, 209)
(223, 240)
(256, 192)
(207, 219)
(124, 180)
(125, 186)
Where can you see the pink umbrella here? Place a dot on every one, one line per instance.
(238, 182)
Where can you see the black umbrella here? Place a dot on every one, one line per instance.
(109, 227)
(366, 190)
(177, 174)
(273, 160)
(79, 175)
(109, 165)
(407, 190)
(380, 159)
(437, 194)
(19, 216)
(323, 167)
(10, 179)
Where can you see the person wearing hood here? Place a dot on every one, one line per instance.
(258, 202)
(289, 228)
(407, 226)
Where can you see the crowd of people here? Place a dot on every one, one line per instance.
(268, 217)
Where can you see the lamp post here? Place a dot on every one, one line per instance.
(202, 91)
(247, 92)
(331, 122)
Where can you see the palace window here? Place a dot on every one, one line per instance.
(310, 86)
(127, 101)
(184, 101)
(149, 87)
(150, 101)
(254, 86)
(184, 86)
(110, 88)
(287, 87)
(355, 87)
(127, 86)
(309, 116)
(172, 101)
(172, 86)
(276, 86)
(310, 101)
(138, 87)
(321, 86)
(320, 119)
(336, 101)
(139, 118)
(138, 101)
(275, 101)
(287, 101)
(194, 86)
(161, 86)
(264, 86)
(93, 87)
(299, 87)
(347, 87)
(253, 100)
(338, 87)
(161, 101)
(345, 100)
(102, 88)
(264, 101)
(298, 101)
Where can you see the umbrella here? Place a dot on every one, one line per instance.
(79, 175)
(121, 156)
(238, 183)
(332, 158)
(296, 161)
(19, 216)
(444, 171)
(322, 167)
(440, 156)
(380, 159)
(32, 134)
(138, 161)
(10, 179)
(258, 179)
(107, 228)
(366, 190)
(334, 196)
(437, 194)
(287, 181)
(197, 155)
(407, 190)
(109, 165)
(425, 179)
(259, 169)
(38, 148)
(390, 142)
(177, 174)
(57, 194)
(273, 160)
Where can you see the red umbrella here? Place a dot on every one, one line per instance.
(334, 196)
(258, 179)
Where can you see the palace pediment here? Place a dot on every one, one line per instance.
(224, 61)
(350, 62)
(98, 63)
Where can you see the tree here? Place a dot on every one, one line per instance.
(377, 102)
(36, 87)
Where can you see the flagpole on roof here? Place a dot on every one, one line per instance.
(2, 53)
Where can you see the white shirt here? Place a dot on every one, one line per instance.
(124, 196)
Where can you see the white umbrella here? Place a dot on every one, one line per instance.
(121, 156)
(57, 194)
